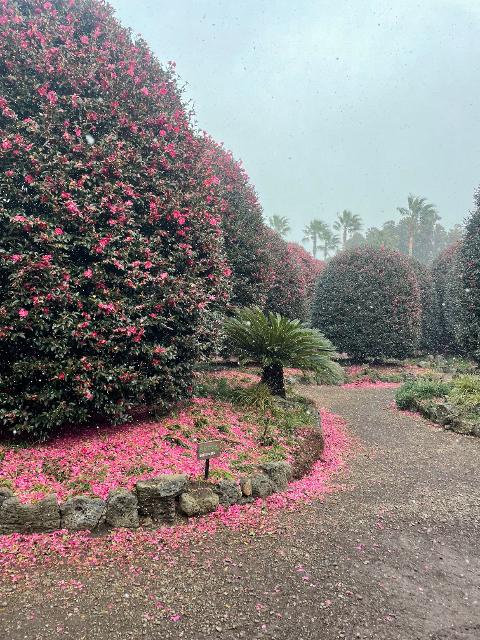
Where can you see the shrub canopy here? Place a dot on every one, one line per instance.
(111, 258)
(242, 224)
(446, 280)
(368, 304)
(287, 293)
(469, 260)
(310, 270)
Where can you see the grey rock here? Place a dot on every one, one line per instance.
(246, 487)
(156, 497)
(198, 502)
(37, 517)
(80, 513)
(122, 509)
(262, 486)
(279, 473)
(5, 493)
(228, 492)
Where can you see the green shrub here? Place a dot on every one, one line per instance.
(420, 389)
(368, 304)
(466, 391)
(469, 257)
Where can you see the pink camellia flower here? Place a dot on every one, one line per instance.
(84, 39)
(88, 273)
(227, 272)
(58, 231)
(164, 275)
(6, 144)
(144, 90)
(29, 179)
(16, 257)
(23, 313)
(148, 264)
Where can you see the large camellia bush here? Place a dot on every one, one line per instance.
(368, 304)
(310, 270)
(242, 225)
(111, 259)
(288, 291)
(469, 266)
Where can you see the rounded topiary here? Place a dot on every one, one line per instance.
(445, 281)
(368, 304)
(242, 224)
(469, 259)
(110, 243)
(310, 270)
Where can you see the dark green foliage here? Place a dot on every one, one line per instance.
(368, 304)
(420, 389)
(445, 280)
(469, 258)
(427, 300)
(274, 342)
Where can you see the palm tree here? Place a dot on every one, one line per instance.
(330, 242)
(347, 222)
(313, 232)
(418, 210)
(274, 342)
(280, 224)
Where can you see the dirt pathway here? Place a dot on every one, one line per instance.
(395, 556)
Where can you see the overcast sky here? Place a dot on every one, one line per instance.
(332, 104)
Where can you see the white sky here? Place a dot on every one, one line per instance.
(332, 104)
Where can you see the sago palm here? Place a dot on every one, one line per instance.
(280, 224)
(418, 210)
(274, 342)
(347, 222)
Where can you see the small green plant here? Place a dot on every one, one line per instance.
(466, 392)
(274, 342)
(257, 397)
(420, 389)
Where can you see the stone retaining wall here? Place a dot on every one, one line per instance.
(159, 500)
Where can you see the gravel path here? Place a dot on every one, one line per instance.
(394, 556)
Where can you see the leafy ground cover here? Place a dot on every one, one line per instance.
(453, 403)
(94, 461)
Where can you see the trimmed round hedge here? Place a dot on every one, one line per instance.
(469, 259)
(111, 253)
(368, 304)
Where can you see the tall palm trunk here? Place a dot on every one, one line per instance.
(314, 248)
(344, 236)
(410, 241)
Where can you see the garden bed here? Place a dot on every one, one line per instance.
(95, 470)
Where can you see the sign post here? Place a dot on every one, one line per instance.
(207, 450)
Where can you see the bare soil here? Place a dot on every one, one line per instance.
(394, 556)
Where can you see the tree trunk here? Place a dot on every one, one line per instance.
(410, 244)
(314, 248)
(344, 236)
(325, 251)
(272, 376)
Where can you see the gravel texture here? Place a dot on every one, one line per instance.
(393, 556)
